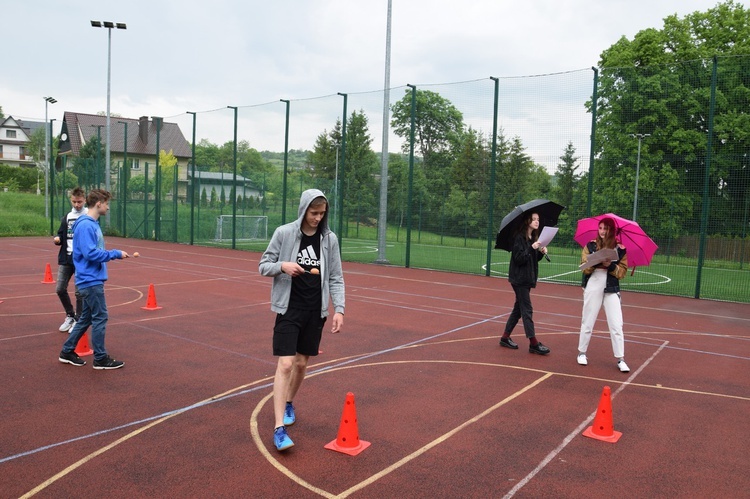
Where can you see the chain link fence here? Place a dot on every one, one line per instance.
(670, 150)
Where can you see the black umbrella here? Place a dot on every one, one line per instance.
(548, 213)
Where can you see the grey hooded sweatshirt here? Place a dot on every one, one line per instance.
(284, 246)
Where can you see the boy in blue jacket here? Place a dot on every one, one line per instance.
(90, 259)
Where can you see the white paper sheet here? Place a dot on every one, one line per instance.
(548, 233)
(603, 255)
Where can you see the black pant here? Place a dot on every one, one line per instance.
(521, 309)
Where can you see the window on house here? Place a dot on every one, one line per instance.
(10, 134)
(135, 165)
(1, 151)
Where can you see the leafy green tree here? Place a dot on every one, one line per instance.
(465, 210)
(137, 185)
(324, 156)
(438, 123)
(19, 179)
(515, 174)
(438, 131)
(206, 155)
(659, 84)
(167, 165)
(360, 168)
(566, 176)
(89, 165)
(567, 182)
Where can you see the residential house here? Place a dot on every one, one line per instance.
(15, 136)
(139, 143)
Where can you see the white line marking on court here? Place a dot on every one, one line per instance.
(578, 429)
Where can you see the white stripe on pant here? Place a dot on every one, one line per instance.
(593, 298)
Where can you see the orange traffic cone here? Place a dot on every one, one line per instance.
(151, 301)
(348, 440)
(603, 427)
(83, 348)
(48, 276)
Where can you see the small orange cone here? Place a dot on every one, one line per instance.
(151, 301)
(603, 427)
(348, 440)
(83, 348)
(48, 276)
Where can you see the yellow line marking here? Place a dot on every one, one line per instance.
(439, 440)
(125, 438)
(295, 478)
(288, 473)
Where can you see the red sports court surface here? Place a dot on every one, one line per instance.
(447, 411)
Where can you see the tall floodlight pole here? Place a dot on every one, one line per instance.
(109, 25)
(383, 215)
(47, 135)
(50, 167)
(640, 137)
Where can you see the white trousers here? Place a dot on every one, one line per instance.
(593, 298)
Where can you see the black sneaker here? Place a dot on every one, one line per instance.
(538, 349)
(108, 363)
(71, 358)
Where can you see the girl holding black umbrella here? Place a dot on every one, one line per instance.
(523, 272)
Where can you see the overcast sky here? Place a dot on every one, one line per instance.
(188, 55)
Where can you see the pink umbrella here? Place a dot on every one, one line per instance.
(640, 248)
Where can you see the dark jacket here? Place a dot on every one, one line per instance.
(615, 271)
(524, 262)
(65, 233)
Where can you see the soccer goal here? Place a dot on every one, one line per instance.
(249, 228)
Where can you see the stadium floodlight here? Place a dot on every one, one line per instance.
(47, 101)
(109, 25)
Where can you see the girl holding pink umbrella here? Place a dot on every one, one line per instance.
(601, 285)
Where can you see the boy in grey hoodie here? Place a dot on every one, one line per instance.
(303, 259)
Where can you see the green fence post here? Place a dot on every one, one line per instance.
(706, 179)
(233, 190)
(490, 215)
(192, 184)
(342, 160)
(157, 186)
(124, 182)
(411, 172)
(286, 159)
(145, 202)
(592, 149)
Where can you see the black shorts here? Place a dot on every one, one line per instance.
(297, 331)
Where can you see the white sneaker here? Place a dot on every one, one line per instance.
(623, 366)
(582, 360)
(68, 324)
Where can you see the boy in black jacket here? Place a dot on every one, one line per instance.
(65, 270)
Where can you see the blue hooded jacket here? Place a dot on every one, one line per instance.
(89, 256)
